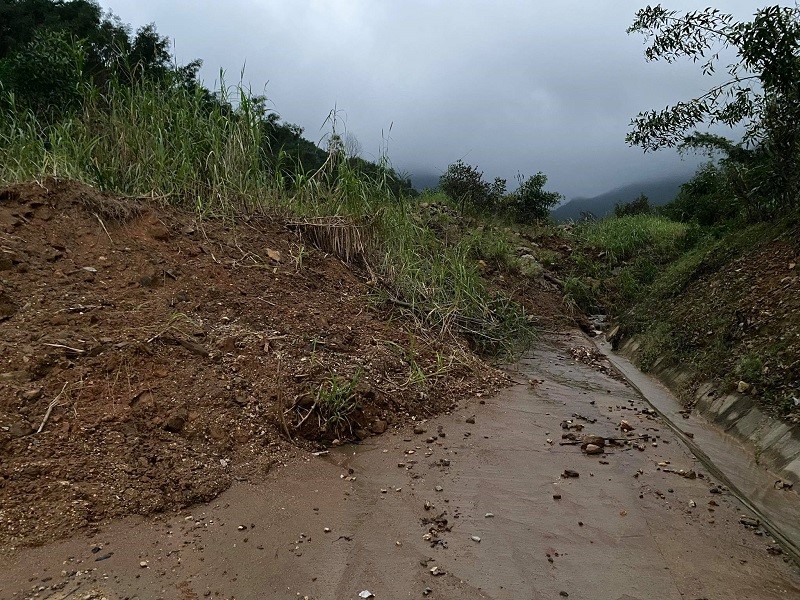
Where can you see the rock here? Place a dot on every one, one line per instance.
(437, 572)
(366, 594)
(556, 496)
(596, 440)
(614, 337)
(20, 429)
(176, 420)
(625, 426)
(427, 591)
(743, 387)
(32, 394)
(749, 522)
(475, 538)
(489, 516)
(143, 564)
(362, 434)
(379, 426)
(471, 420)
(419, 430)
(157, 231)
(593, 449)
(569, 473)
(228, 345)
(7, 306)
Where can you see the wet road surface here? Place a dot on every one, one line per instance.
(383, 515)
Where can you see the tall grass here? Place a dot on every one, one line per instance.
(625, 237)
(211, 157)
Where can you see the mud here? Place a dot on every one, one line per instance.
(150, 357)
(356, 519)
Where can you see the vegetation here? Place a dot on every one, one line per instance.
(640, 206)
(83, 97)
(762, 94)
(465, 185)
(136, 124)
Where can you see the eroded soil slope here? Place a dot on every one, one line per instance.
(737, 320)
(163, 357)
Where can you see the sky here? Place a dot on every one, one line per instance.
(509, 86)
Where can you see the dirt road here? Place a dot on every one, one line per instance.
(461, 510)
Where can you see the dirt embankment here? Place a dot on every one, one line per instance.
(736, 323)
(149, 358)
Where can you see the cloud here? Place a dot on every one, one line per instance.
(508, 85)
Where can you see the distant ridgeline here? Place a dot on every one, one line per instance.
(658, 192)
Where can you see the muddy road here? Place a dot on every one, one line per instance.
(473, 504)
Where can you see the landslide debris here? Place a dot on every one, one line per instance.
(149, 357)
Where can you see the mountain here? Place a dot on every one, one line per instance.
(658, 191)
(424, 180)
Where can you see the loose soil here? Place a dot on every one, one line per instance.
(149, 358)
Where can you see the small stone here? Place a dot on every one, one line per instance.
(143, 564)
(475, 538)
(439, 488)
(32, 394)
(427, 591)
(593, 439)
(743, 387)
(488, 516)
(570, 473)
(556, 496)
(471, 420)
(326, 529)
(749, 521)
(625, 426)
(593, 449)
(437, 572)
(563, 594)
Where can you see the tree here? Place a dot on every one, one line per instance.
(47, 74)
(639, 206)
(761, 91)
(530, 202)
(466, 186)
(703, 199)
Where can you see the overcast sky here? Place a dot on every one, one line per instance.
(507, 85)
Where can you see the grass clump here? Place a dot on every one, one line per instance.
(622, 238)
(335, 402)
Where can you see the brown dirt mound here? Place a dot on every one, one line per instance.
(164, 356)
